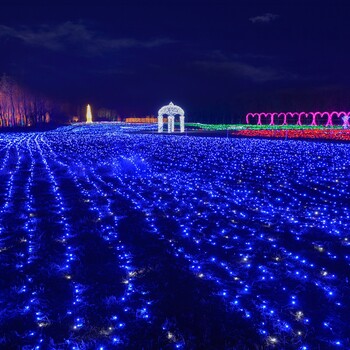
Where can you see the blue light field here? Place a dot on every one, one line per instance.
(115, 239)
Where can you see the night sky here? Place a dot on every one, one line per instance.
(216, 59)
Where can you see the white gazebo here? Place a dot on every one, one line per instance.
(171, 111)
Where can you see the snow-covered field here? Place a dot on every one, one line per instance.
(110, 239)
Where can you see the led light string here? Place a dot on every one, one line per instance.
(104, 213)
(238, 193)
(265, 221)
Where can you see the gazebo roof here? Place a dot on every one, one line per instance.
(171, 109)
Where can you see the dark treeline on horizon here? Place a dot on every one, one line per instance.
(20, 107)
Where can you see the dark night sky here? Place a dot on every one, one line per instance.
(214, 58)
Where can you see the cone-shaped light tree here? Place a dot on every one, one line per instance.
(88, 115)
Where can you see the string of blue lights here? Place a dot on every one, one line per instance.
(96, 221)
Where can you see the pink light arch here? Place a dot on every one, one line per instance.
(291, 116)
(284, 115)
(253, 115)
(274, 116)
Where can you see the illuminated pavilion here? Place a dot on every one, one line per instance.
(171, 111)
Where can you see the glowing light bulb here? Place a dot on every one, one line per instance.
(272, 340)
(299, 315)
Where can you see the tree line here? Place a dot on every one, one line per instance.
(20, 107)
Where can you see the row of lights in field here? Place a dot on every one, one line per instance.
(241, 194)
(261, 209)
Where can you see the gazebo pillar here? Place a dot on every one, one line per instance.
(182, 123)
(160, 123)
(170, 123)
